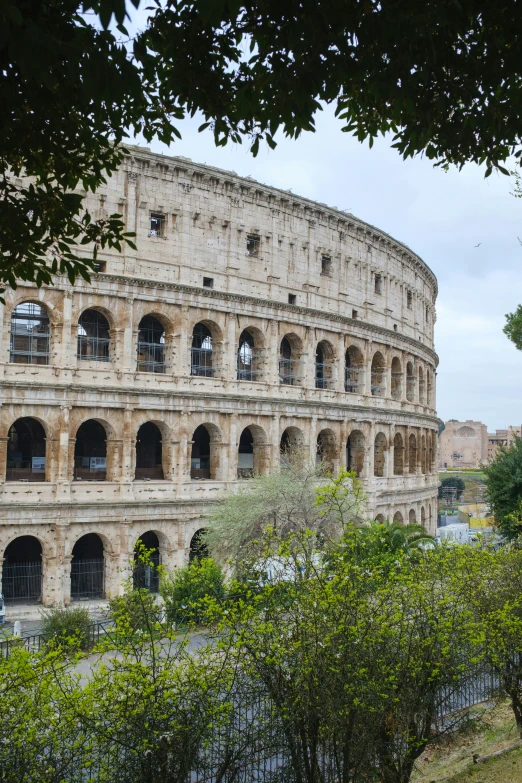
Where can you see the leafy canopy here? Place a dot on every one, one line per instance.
(443, 78)
(504, 488)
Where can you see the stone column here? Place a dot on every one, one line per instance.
(63, 454)
(184, 337)
(52, 457)
(340, 364)
(127, 449)
(3, 458)
(370, 453)
(308, 361)
(51, 581)
(271, 363)
(230, 348)
(367, 369)
(117, 336)
(129, 339)
(66, 579)
(114, 459)
(232, 454)
(68, 347)
(390, 453)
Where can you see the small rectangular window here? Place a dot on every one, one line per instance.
(355, 314)
(378, 284)
(100, 266)
(157, 225)
(409, 299)
(292, 298)
(326, 266)
(253, 244)
(208, 282)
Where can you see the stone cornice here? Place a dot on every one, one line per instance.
(349, 220)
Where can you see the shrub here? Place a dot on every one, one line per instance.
(185, 590)
(136, 609)
(70, 628)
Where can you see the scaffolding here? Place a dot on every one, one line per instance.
(352, 379)
(30, 334)
(94, 343)
(247, 362)
(377, 385)
(289, 370)
(396, 385)
(323, 375)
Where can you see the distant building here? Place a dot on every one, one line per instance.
(468, 444)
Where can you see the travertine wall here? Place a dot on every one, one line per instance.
(463, 444)
(354, 286)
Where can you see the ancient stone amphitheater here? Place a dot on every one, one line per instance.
(248, 323)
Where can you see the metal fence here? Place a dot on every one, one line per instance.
(87, 578)
(22, 582)
(201, 362)
(289, 371)
(353, 380)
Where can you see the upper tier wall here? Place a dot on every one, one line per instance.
(328, 260)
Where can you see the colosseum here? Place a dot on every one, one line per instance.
(249, 321)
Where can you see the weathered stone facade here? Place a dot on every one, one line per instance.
(468, 444)
(218, 257)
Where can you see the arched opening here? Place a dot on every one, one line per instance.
(25, 451)
(379, 453)
(396, 378)
(151, 345)
(289, 361)
(90, 452)
(200, 464)
(423, 517)
(202, 352)
(421, 386)
(88, 568)
(149, 454)
(292, 446)
(22, 571)
(324, 363)
(398, 455)
(410, 382)
(378, 382)
(355, 452)
(326, 454)
(198, 547)
(412, 454)
(380, 519)
(353, 371)
(30, 334)
(398, 518)
(248, 358)
(94, 340)
(146, 574)
(245, 463)
(412, 517)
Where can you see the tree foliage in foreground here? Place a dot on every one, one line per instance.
(504, 488)
(443, 78)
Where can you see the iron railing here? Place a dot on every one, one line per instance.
(323, 375)
(22, 582)
(94, 349)
(87, 578)
(353, 380)
(378, 383)
(23, 471)
(289, 370)
(151, 357)
(201, 362)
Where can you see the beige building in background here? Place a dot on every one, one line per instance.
(249, 323)
(468, 444)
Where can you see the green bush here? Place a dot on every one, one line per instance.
(136, 609)
(185, 590)
(71, 628)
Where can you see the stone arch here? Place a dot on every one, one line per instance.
(398, 518)
(149, 452)
(466, 432)
(27, 450)
(353, 370)
(378, 370)
(250, 354)
(90, 451)
(327, 453)
(88, 567)
(292, 446)
(410, 382)
(145, 574)
(355, 451)
(412, 454)
(151, 344)
(22, 571)
(290, 364)
(398, 455)
(324, 365)
(252, 451)
(396, 378)
(30, 333)
(207, 339)
(421, 385)
(412, 517)
(205, 453)
(198, 547)
(379, 518)
(94, 341)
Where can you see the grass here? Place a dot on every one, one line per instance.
(452, 761)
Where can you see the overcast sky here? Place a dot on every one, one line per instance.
(442, 217)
